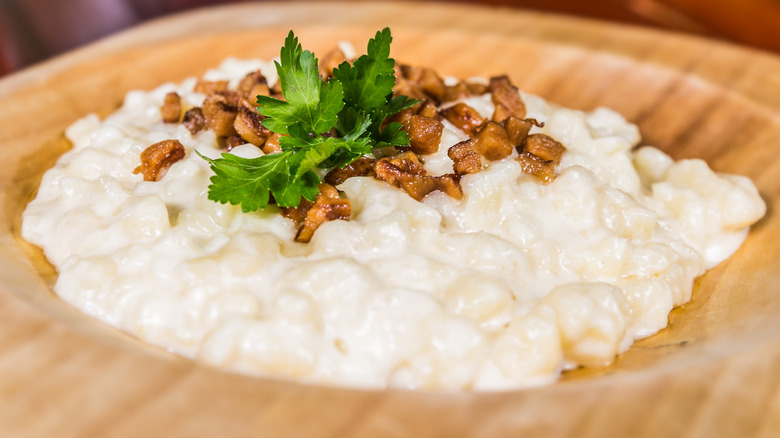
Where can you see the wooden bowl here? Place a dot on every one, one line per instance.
(714, 372)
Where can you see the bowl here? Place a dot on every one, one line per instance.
(715, 371)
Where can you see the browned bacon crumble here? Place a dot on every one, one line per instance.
(464, 117)
(157, 158)
(171, 108)
(232, 116)
(407, 172)
(424, 134)
(363, 166)
(194, 120)
(308, 216)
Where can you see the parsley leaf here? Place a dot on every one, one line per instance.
(249, 182)
(355, 102)
(370, 79)
(310, 103)
(368, 88)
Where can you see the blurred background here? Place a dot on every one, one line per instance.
(34, 30)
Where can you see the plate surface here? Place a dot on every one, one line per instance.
(714, 372)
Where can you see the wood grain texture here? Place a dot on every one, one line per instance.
(715, 372)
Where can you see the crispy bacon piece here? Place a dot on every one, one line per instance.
(194, 120)
(492, 142)
(426, 108)
(249, 126)
(363, 166)
(233, 141)
(406, 161)
(406, 87)
(328, 206)
(405, 171)
(157, 158)
(220, 114)
(456, 92)
(210, 87)
(252, 84)
(330, 61)
(544, 147)
(426, 80)
(298, 214)
(463, 90)
(477, 88)
(272, 144)
(465, 158)
(500, 113)
(231, 97)
(518, 129)
(171, 108)
(401, 116)
(538, 167)
(506, 99)
(424, 134)
(463, 117)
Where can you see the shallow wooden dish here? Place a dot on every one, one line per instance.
(714, 372)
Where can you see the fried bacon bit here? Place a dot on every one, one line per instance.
(506, 99)
(424, 134)
(194, 120)
(171, 108)
(465, 158)
(330, 61)
(328, 206)
(298, 214)
(407, 162)
(544, 147)
(538, 167)
(272, 144)
(363, 166)
(464, 117)
(421, 83)
(406, 171)
(231, 97)
(428, 109)
(406, 87)
(493, 142)
(425, 83)
(210, 87)
(401, 116)
(233, 141)
(456, 92)
(464, 89)
(426, 80)
(157, 158)
(249, 126)
(477, 88)
(253, 84)
(220, 114)
(500, 113)
(518, 129)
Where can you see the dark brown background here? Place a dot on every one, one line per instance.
(33, 30)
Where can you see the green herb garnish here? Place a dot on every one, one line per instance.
(355, 102)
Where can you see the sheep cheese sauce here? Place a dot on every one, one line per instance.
(506, 287)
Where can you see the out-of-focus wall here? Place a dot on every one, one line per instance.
(33, 30)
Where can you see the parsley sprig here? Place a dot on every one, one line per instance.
(355, 102)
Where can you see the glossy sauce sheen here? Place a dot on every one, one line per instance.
(502, 289)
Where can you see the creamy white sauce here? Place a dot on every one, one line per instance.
(504, 288)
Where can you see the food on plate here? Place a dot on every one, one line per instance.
(364, 224)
